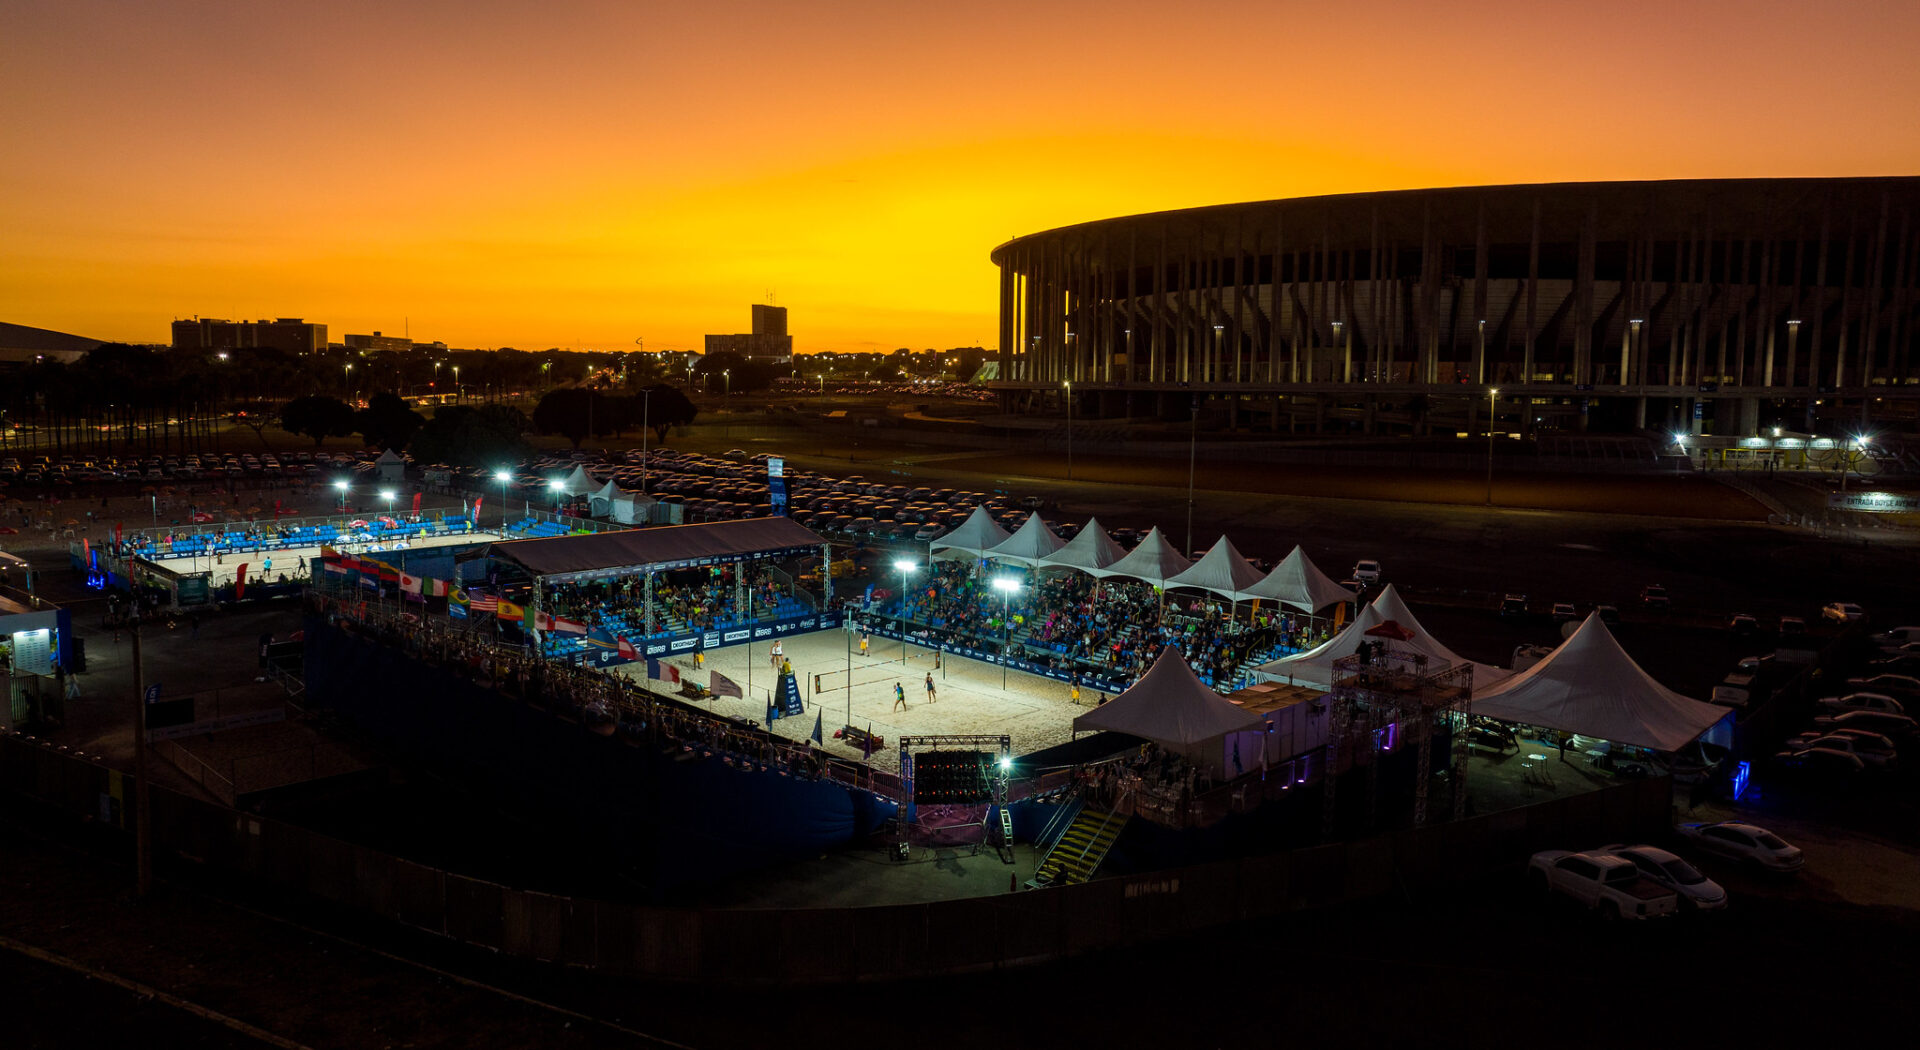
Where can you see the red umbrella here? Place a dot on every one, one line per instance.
(1391, 629)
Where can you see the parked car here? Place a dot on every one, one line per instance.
(1842, 612)
(1862, 702)
(1900, 727)
(1898, 636)
(1824, 763)
(1872, 748)
(1611, 885)
(1744, 842)
(1792, 627)
(1513, 605)
(1655, 596)
(1607, 613)
(1696, 891)
(1564, 611)
(1895, 685)
(1367, 571)
(1744, 624)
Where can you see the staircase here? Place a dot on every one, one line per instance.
(1078, 853)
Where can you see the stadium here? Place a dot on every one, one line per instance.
(1705, 307)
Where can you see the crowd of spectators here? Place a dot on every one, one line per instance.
(1106, 629)
(688, 600)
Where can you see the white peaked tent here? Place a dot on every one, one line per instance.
(1314, 668)
(1033, 542)
(1090, 550)
(974, 537)
(600, 504)
(1172, 708)
(1590, 686)
(1296, 581)
(1154, 561)
(632, 508)
(579, 483)
(1222, 570)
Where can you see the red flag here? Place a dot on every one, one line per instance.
(627, 650)
(240, 581)
(476, 509)
(416, 503)
(116, 534)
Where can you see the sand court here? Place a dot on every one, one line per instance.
(1036, 712)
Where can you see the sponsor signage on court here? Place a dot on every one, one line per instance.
(1873, 502)
(701, 641)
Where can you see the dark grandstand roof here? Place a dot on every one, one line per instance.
(674, 546)
(1727, 207)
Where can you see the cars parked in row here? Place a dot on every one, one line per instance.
(1611, 885)
(1696, 891)
(1748, 843)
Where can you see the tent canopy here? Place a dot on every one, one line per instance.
(1171, 707)
(600, 504)
(579, 483)
(1154, 561)
(1033, 542)
(1298, 582)
(1090, 549)
(1589, 685)
(1222, 570)
(1315, 666)
(974, 537)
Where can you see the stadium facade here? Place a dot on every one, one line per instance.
(1709, 306)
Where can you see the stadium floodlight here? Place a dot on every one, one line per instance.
(1006, 762)
(903, 565)
(1006, 585)
(501, 475)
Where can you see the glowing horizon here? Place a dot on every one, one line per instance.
(584, 173)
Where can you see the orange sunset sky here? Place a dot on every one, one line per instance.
(562, 173)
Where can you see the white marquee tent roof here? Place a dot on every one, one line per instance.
(1315, 666)
(1222, 570)
(1033, 542)
(1154, 561)
(1090, 549)
(1296, 581)
(975, 536)
(579, 483)
(1590, 686)
(1171, 707)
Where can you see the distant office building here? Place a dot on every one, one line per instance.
(290, 334)
(377, 341)
(769, 338)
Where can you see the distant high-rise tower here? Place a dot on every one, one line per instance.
(769, 338)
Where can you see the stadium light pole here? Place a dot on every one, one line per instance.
(342, 486)
(1069, 385)
(646, 419)
(502, 476)
(1006, 585)
(905, 569)
(554, 486)
(1492, 392)
(1680, 442)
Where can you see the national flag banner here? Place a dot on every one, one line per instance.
(626, 649)
(433, 588)
(388, 574)
(457, 610)
(333, 561)
(601, 638)
(409, 584)
(772, 712)
(817, 737)
(510, 612)
(721, 685)
(416, 503)
(476, 509)
(483, 602)
(566, 626)
(663, 671)
(240, 581)
(542, 622)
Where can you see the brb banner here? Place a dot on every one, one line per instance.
(704, 641)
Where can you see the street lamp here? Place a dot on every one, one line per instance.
(1852, 453)
(387, 496)
(1069, 386)
(646, 419)
(502, 476)
(554, 486)
(905, 569)
(342, 486)
(1006, 585)
(1492, 392)
(456, 382)
(346, 377)
(1680, 442)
